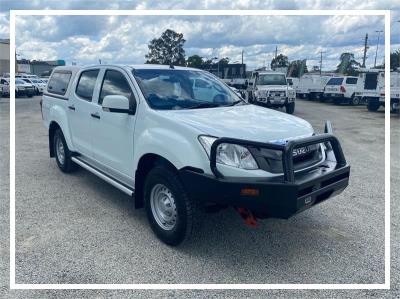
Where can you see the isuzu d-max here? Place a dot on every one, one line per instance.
(181, 142)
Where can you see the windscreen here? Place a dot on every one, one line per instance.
(171, 89)
(271, 79)
(335, 81)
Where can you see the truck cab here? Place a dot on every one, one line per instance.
(271, 89)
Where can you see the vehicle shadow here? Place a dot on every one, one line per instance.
(223, 238)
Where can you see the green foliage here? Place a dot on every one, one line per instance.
(194, 61)
(279, 61)
(395, 60)
(297, 68)
(168, 49)
(348, 65)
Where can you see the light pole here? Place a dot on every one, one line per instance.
(377, 45)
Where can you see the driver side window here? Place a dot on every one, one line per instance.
(115, 83)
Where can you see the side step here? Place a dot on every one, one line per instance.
(104, 176)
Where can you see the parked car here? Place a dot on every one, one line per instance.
(37, 83)
(370, 86)
(25, 75)
(342, 90)
(144, 130)
(270, 89)
(5, 87)
(45, 80)
(23, 88)
(311, 86)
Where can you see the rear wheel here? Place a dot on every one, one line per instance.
(62, 153)
(290, 108)
(171, 213)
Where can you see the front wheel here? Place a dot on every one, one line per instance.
(171, 213)
(290, 108)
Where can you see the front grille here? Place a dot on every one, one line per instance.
(271, 161)
(275, 93)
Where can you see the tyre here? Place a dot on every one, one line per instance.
(354, 101)
(373, 106)
(171, 213)
(290, 108)
(62, 153)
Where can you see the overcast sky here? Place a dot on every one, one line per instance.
(86, 39)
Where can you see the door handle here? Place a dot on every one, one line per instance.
(95, 115)
(72, 107)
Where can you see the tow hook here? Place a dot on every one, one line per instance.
(248, 217)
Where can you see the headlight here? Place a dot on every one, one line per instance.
(230, 154)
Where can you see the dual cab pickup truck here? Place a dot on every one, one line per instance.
(179, 150)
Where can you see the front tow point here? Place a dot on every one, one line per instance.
(248, 217)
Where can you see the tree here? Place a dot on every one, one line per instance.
(395, 60)
(194, 61)
(348, 65)
(297, 68)
(279, 61)
(168, 49)
(223, 61)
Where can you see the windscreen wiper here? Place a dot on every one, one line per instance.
(204, 105)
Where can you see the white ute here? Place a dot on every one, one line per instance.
(271, 89)
(180, 151)
(342, 90)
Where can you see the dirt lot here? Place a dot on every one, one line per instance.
(78, 229)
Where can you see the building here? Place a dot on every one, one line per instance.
(38, 67)
(226, 71)
(4, 56)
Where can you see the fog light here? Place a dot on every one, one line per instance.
(249, 192)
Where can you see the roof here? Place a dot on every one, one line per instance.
(270, 72)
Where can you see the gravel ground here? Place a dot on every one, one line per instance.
(77, 229)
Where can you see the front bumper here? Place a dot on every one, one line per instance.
(274, 102)
(278, 197)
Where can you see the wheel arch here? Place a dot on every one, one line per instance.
(145, 164)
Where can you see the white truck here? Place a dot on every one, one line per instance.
(144, 130)
(311, 86)
(342, 89)
(394, 92)
(370, 86)
(270, 89)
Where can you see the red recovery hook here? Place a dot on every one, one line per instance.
(248, 217)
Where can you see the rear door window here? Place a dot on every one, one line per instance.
(351, 80)
(335, 81)
(59, 82)
(86, 84)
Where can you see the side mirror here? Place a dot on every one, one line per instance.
(117, 104)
